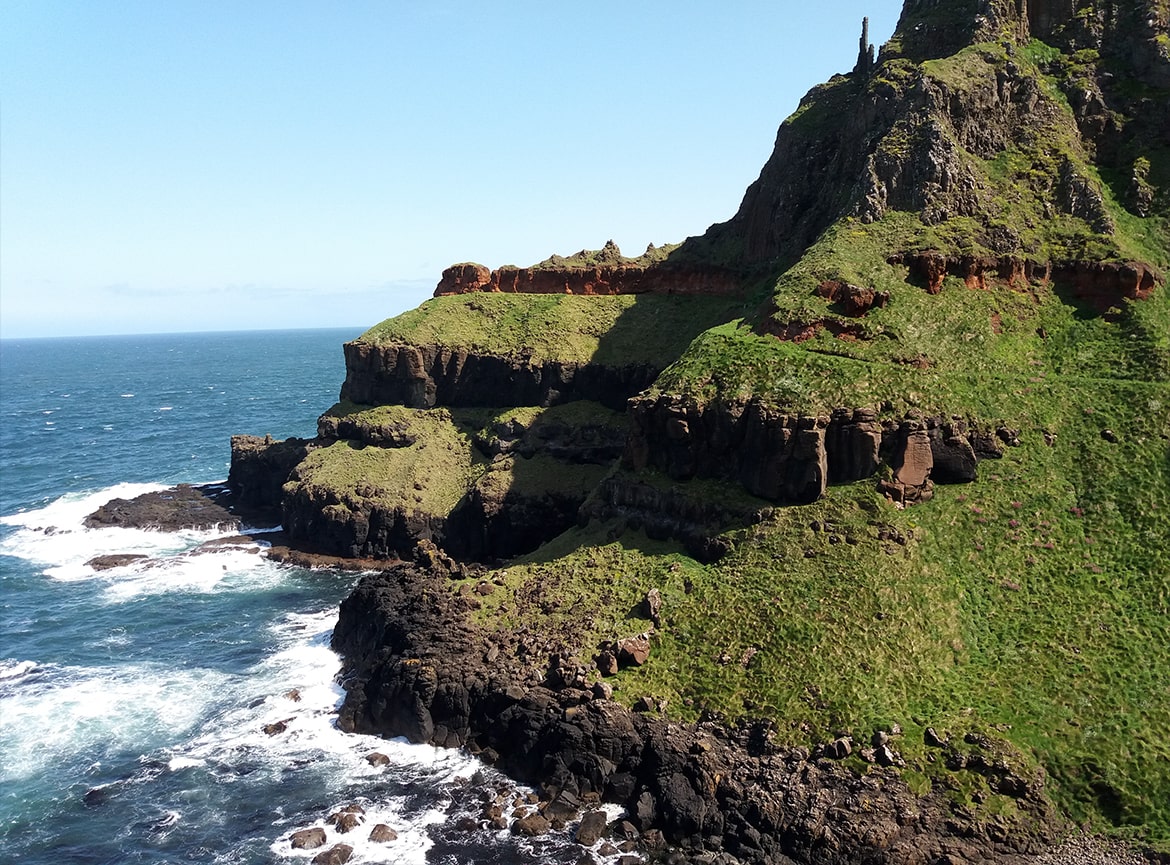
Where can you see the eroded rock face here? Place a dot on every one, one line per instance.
(897, 136)
(317, 519)
(180, 507)
(261, 465)
(604, 279)
(855, 300)
(1098, 284)
(426, 376)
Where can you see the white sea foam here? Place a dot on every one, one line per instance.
(177, 764)
(56, 538)
(75, 712)
(201, 572)
(13, 671)
(69, 511)
(299, 712)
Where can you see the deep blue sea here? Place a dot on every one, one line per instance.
(133, 700)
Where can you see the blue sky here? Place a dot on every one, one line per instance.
(179, 166)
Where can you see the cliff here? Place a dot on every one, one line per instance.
(605, 271)
(862, 496)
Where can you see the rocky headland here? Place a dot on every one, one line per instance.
(837, 534)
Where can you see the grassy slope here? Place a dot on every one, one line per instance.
(620, 329)
(435, 473)
(1032, 604)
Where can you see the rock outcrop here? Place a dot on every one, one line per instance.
(185, 506)
(425, 376)
(1100, 285)
(416, 668)
(897, 136)
(260, 466)
(790, 459)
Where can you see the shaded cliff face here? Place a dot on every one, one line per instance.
(430, 375)
(482, 484)
(960, 86)
(790, 459)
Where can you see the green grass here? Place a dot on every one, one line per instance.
(447, 460)
(1031, 604)
(617, 329)
(430, 476)
(608, 256)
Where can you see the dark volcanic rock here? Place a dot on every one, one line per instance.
(790, 459)
(114, 560)
(383, 834)
(338, 854)
(170, 510)
(308, 839)
(591, 829)
(260, 467)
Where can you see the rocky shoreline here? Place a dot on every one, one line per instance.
(416, 665)
(717, 792)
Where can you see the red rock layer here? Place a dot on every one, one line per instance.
(603, 279)
(1101, 284)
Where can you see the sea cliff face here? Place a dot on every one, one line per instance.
(743, 534)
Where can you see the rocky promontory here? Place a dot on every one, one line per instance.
(416, 668)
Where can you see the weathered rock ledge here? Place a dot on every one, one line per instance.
(184, 506)
(415, 666)
(599, 279)
(1099, 284)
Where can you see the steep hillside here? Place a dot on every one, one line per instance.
(871, 480)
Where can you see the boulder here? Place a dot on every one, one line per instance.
(114, 560)
(531, 826)
(633, 651)
(607, 663)
(338, 854)
(383, 834)
(651, 607)
(308, 839)
(591, 828)
(348, 818)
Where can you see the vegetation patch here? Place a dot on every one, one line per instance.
(610, 329)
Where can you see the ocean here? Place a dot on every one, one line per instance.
(134, 701)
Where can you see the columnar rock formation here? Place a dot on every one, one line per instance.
(790, 459)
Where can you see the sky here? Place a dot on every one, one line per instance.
(193, 166)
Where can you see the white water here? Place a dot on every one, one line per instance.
(156, 719)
